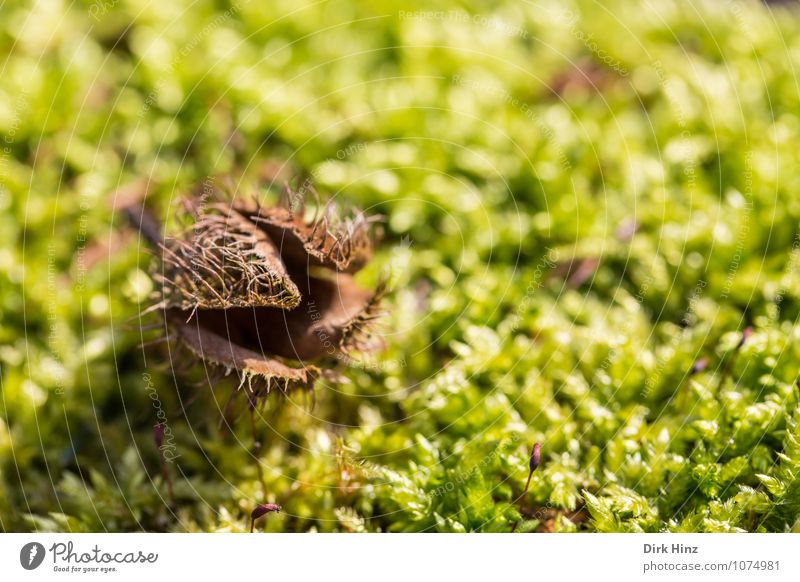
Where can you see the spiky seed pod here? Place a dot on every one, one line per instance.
(265, 293)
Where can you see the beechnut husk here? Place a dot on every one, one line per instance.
(264, 291)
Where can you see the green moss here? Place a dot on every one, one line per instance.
(491, 185)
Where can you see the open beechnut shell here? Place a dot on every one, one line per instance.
(267, 292)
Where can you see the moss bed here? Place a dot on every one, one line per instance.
(590, 236)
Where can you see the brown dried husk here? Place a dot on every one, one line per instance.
(262, 292)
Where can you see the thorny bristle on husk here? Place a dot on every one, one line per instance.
(330, 239)
(224, 261)
(261, 291)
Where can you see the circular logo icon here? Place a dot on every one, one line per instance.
(31, 555)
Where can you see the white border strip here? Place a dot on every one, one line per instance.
(404, 558)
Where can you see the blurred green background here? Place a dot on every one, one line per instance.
(586, 204)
